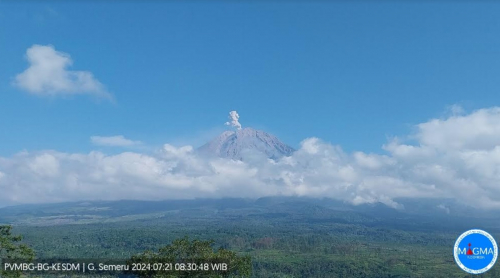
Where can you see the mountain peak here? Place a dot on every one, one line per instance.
(233, 144)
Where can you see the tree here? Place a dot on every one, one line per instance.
(12, 249)
(184, 258)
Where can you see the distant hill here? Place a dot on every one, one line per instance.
(302, 209)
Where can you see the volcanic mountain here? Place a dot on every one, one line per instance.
(233, 144)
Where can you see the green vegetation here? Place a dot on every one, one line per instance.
(11, 248)
(283, 238)
(277, 250)
(196, 257)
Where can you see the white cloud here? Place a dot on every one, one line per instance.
(444, 163)
(113, 141)
(44, 165)
(48, 75)
(477, 131)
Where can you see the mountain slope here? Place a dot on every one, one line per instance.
(233, 144)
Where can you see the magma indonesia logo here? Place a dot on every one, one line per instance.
(475, 251)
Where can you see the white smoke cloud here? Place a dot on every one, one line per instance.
(456, 157)
(233, 120)
(47, 75)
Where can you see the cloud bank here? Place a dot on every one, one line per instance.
(113, 141)
(456, 157)
(48, 75)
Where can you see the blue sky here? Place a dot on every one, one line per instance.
(352, 74)
(103, 100)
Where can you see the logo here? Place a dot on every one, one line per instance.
(475, 251)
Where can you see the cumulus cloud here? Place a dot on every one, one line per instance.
(113, 141)
(48, 75)
(456, 157)
(477, 131)
(233, 120)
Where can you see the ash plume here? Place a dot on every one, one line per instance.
(233, 120)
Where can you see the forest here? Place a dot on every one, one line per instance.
(281, 237)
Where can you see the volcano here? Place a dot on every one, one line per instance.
(234, 144)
